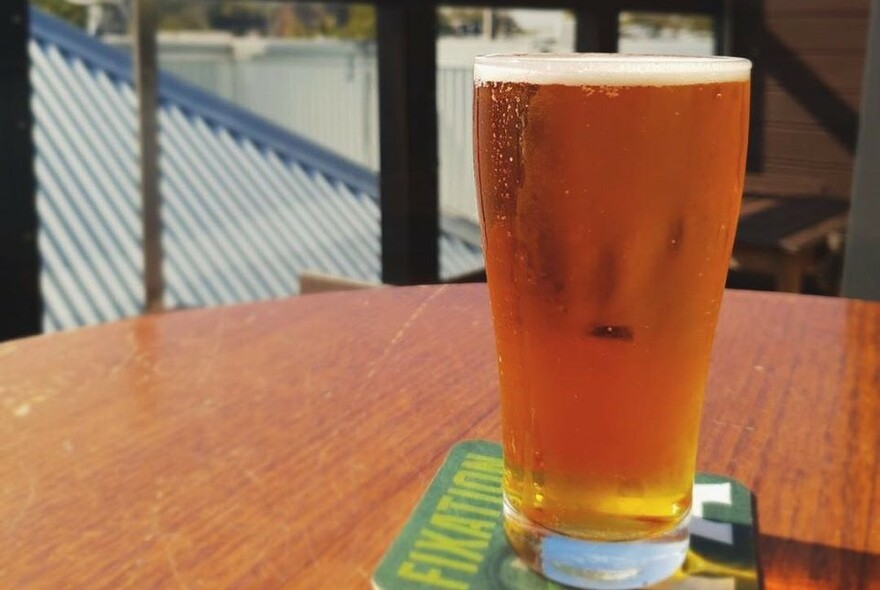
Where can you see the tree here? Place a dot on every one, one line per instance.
(361, 23)
(296, 19)
(73, 14)
(181, 15)
(329, 19)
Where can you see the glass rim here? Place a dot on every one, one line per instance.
(610, 68)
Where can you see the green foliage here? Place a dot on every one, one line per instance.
(361, 23)
(450, 20)
(61, 8)
(327, 19)
(182, 15)
(297, 19)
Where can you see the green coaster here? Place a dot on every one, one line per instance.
(454, 539)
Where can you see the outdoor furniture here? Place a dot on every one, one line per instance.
(785, 236)
(283, 444)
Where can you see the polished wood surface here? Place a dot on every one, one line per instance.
(282, 445)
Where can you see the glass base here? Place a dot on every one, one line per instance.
(596, 565)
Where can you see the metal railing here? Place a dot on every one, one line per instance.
(408, 136)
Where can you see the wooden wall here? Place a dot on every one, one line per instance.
(813, 54)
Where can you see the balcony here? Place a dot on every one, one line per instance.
(257, 157)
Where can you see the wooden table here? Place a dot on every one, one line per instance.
(785, 236)
(282, 445)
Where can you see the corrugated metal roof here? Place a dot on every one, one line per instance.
(247, 205)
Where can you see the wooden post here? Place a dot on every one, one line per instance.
(861, 270)
(597, 28)
(21, 306)
(408, 142)
(747, 40)
(146, 80)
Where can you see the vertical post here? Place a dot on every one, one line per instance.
(597, 28)
(488, 24)
(146, 80)
(408, 142)
(861, 269)
(20, 299)
(721, 28)
(747, 40)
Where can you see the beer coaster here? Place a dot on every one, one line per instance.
(454, 539)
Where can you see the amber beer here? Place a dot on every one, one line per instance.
(609, 190)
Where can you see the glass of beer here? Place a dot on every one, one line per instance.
(609, 188)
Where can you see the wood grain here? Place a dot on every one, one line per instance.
(795, 144)
(778, 8)
(783, 107)
(821, 33)
(813, 52)
(282, 445)
(842, 71)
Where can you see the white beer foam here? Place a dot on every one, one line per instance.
(598, 69)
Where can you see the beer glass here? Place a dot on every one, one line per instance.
(609, 188)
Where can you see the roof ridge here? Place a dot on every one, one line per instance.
(217, 111)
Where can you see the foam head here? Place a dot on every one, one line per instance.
(598, 69)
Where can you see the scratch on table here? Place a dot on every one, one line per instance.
(7, 349)
(273, 569)
(313, 562)
(363, 573)
(337, 491)
(222, 514)
(746, 427)
(283, 526)
(172, 562)
(269, 565)
(321, 461)
(404, 459)
(124, 361)
(213, 352)
(32, 492)
(21, 410)
(310, 548)
(132, 353)
(144, 352)
(27, 400)
(403, 329)
(166, 549)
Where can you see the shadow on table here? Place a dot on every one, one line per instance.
(796, 564)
